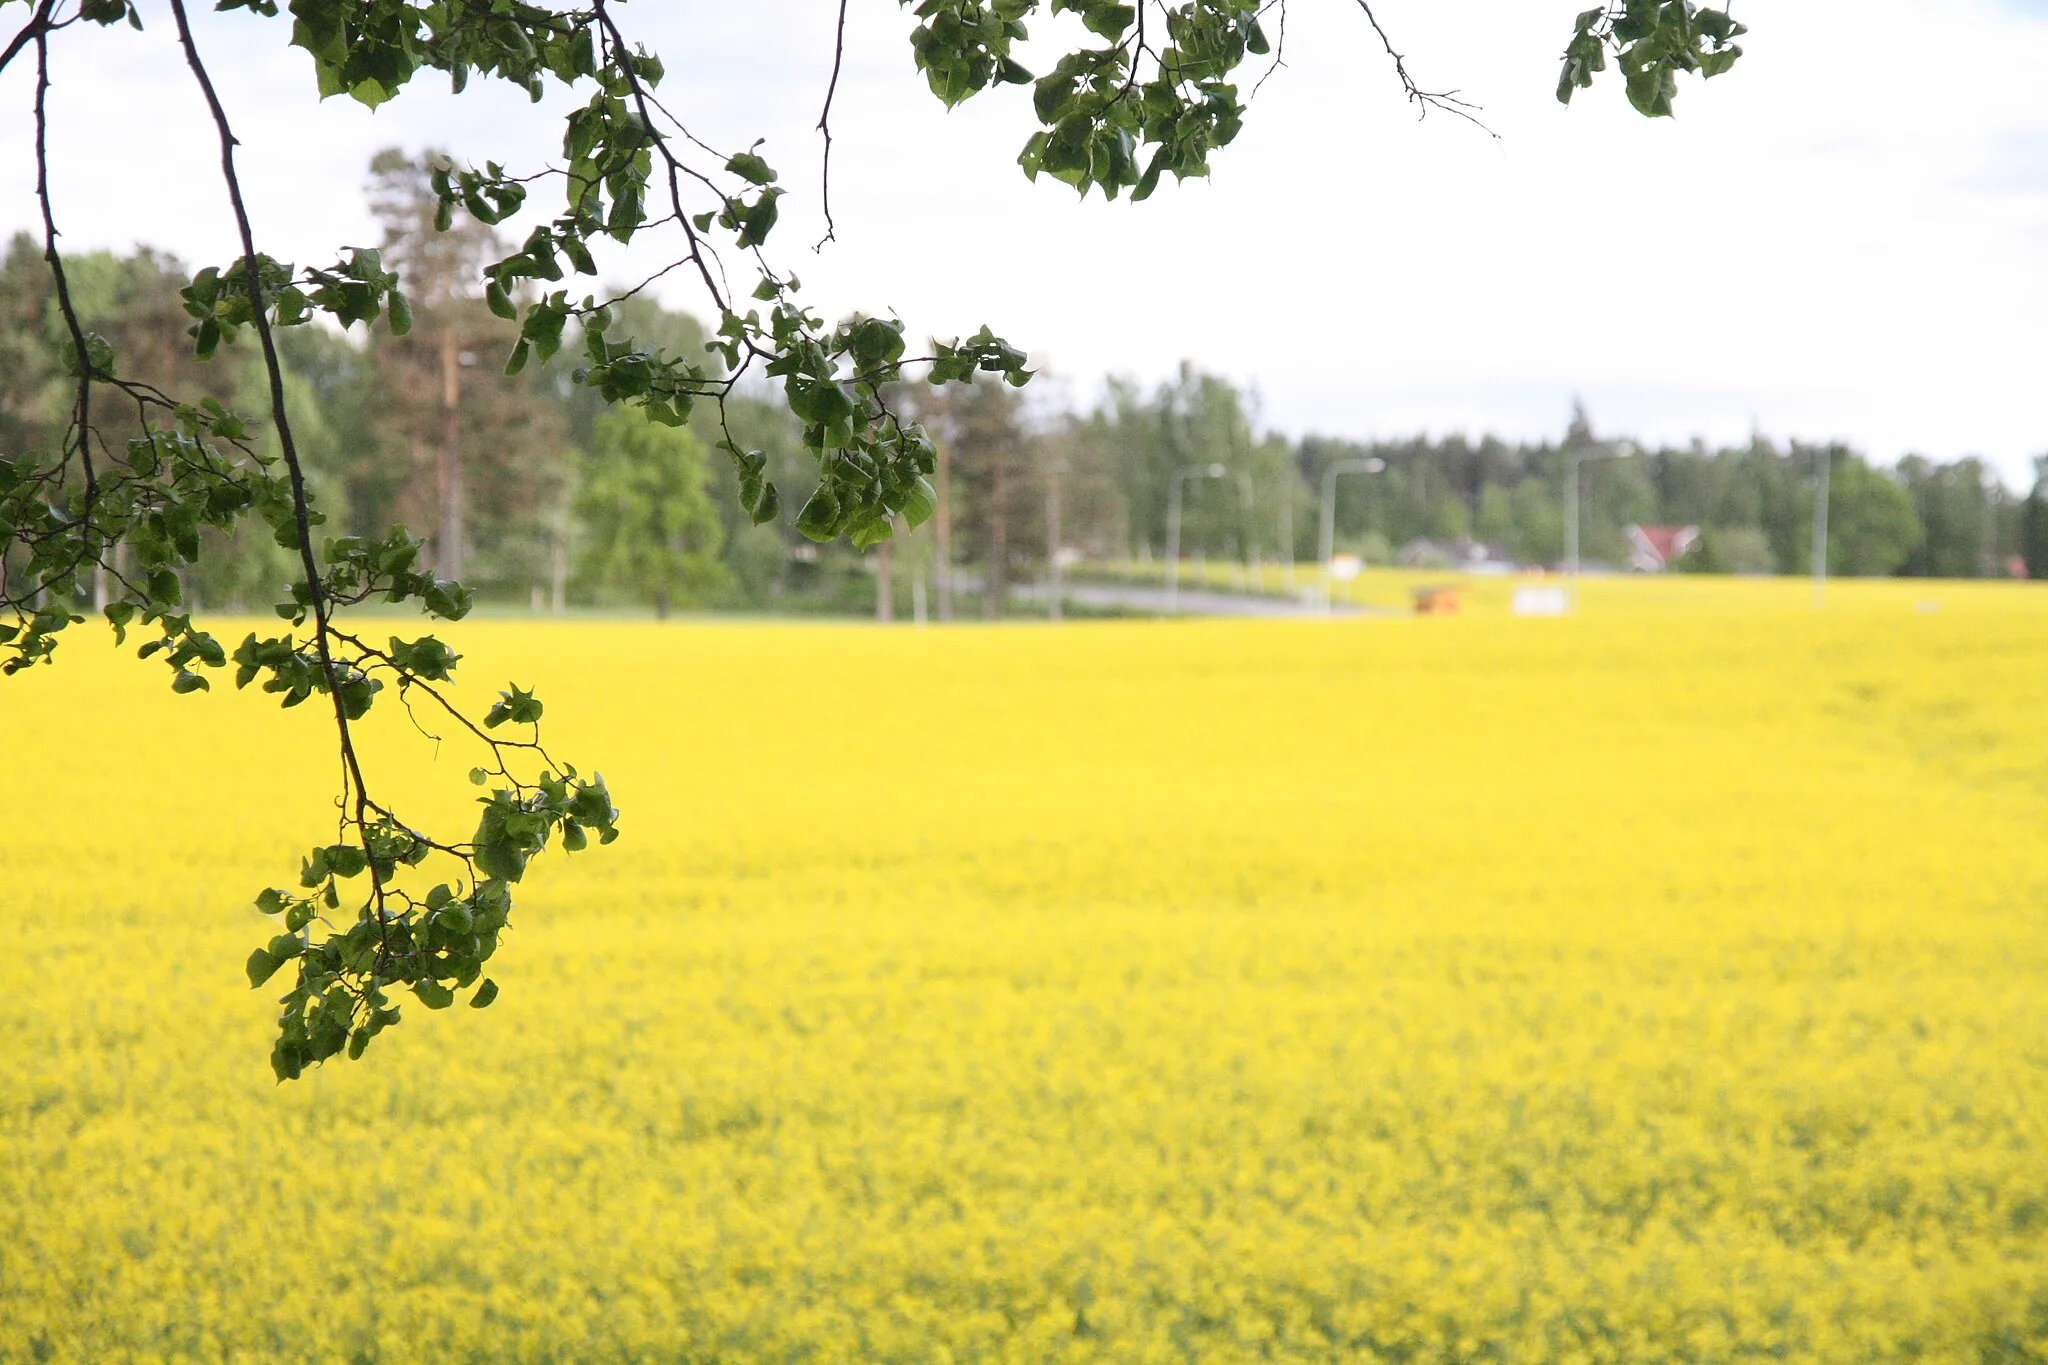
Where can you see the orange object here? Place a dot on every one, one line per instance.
(1438, 599)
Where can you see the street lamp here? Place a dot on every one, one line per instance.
(1246, 544)
(1053, 469)
(1326, 544)
(1825, 461)
(1572, 460)
(1193, 471)
(1286, 525)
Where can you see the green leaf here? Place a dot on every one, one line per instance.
(346, 860)
(819, 519)
(875, 341)
(261, 967)
(872, 532)
(751, 168)
(485, 994)
(515, 705)
(450, 601)
(759, 220)
(760, 500)
(920, 502)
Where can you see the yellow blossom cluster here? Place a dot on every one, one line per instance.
(1668, 982)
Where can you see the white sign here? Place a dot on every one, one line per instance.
(1543, 601)
(1344, 568)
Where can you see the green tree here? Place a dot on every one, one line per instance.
(1732, 549)
(1137, 443)
(997, 511)
(651, 533)
(439, 262)
(31, 369)
(1117, 110)
(1495, 524)
(1956, 511)
(1539, 521)
(1872, 524)
(2034, 523)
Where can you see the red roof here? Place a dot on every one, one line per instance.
(1665, 542)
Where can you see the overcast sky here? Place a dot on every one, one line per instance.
(1846, 237)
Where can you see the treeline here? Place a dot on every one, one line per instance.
(532, 490)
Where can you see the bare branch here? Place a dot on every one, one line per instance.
(81, 402)
(1279, 49)
(1424, 100)
(825, 126)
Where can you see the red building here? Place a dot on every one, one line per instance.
(1652, 549)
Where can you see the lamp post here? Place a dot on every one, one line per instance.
(1572, 460)
(1287, 524)
(1247, 544)
(1825, 460)
(1326, 543)
(1053, 469)
(1173, 501)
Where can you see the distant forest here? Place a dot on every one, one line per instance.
(531, 490)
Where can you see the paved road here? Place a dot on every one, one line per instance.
(1192, 602)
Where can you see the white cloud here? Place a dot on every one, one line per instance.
(1845, 237)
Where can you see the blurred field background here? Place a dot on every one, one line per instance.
(1668, 982)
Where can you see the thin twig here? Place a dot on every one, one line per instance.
(825, 127)
(616, 41)
(81, 401)
(1424, 100)
(1279, 50)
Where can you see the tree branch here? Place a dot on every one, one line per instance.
(825, 127)
(32, 31)
(81, 353)
(616, 41)
(323, 629)
(1425, 100)
(1279, 50)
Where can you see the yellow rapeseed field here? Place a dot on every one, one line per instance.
(1667, 983)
